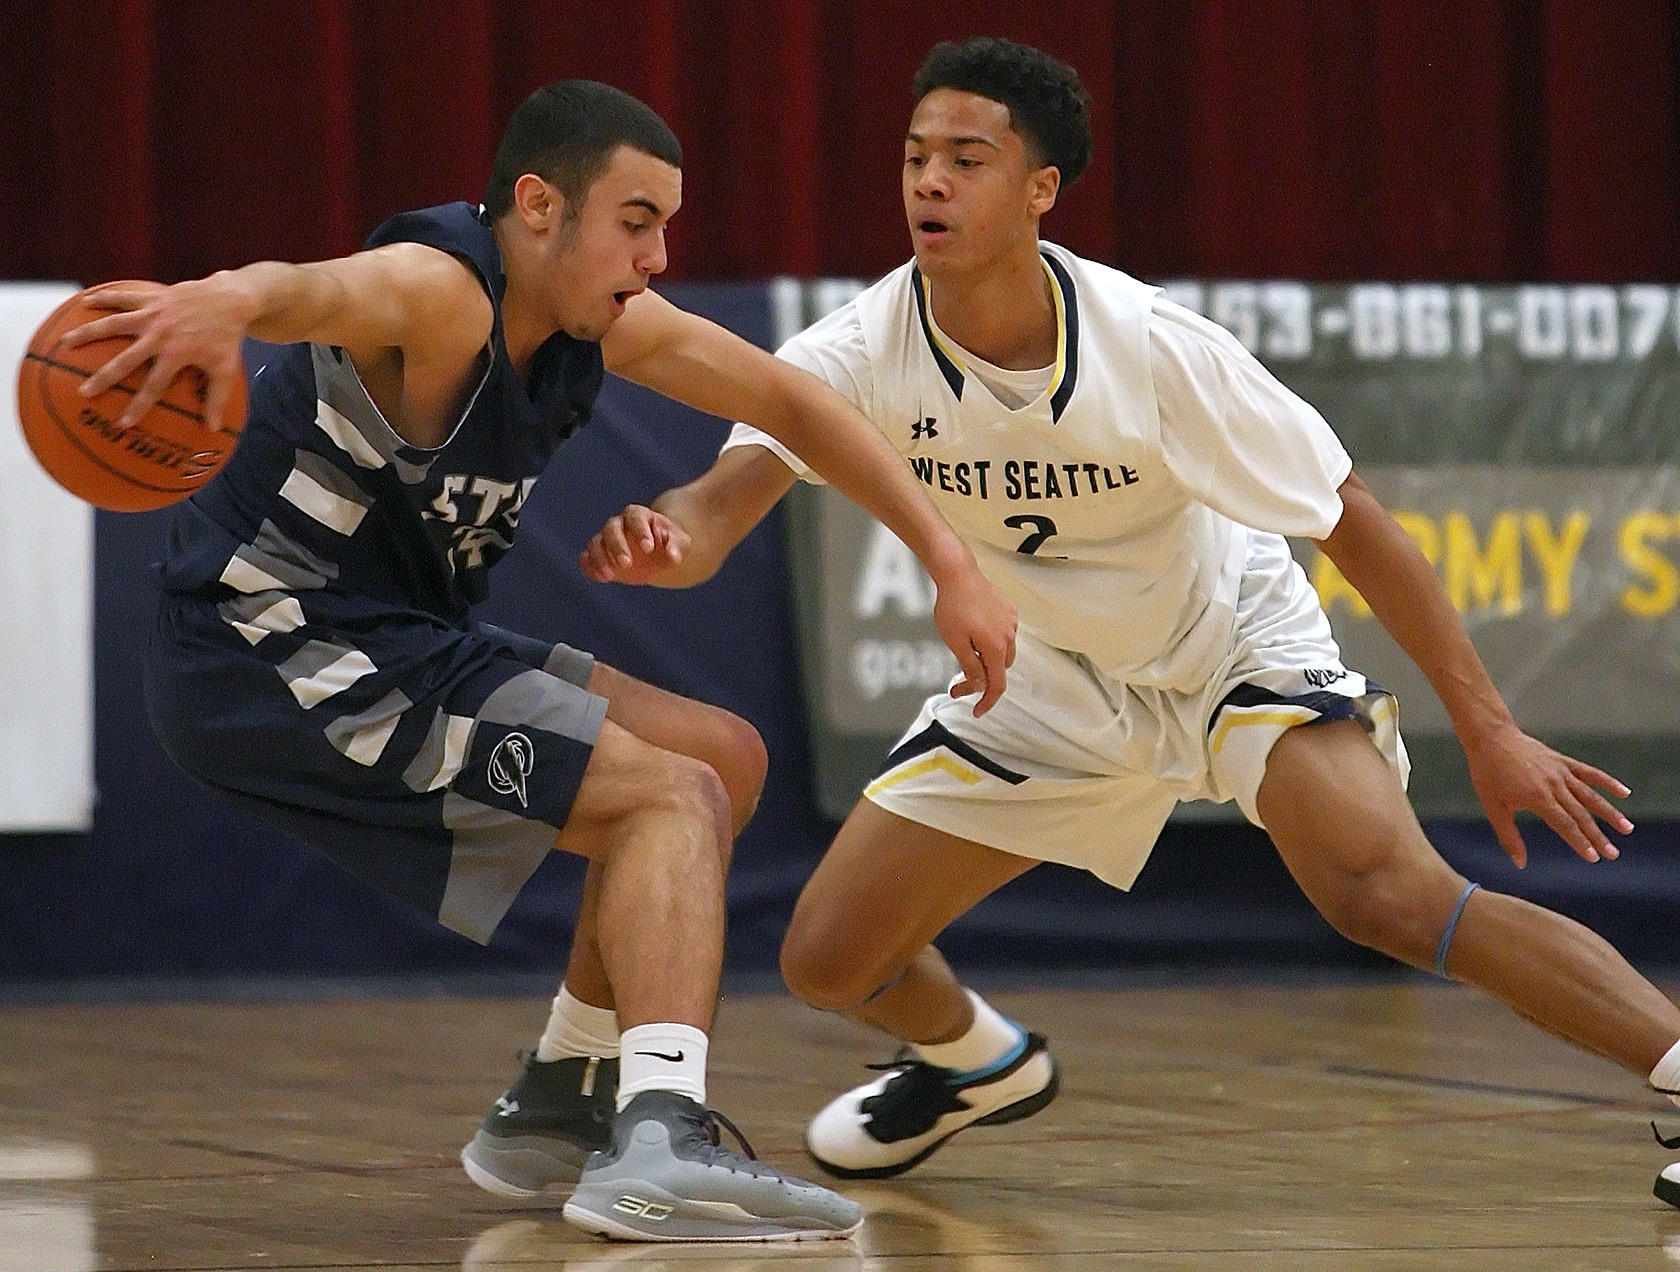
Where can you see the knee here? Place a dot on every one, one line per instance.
(821, 964)
(693, 790)
(1387, 909)
(744, 769)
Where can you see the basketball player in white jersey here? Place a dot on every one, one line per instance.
(1125, 472)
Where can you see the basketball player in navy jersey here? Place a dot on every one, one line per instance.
(1169, 646)
(315, 664)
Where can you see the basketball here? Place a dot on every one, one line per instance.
(160, 459)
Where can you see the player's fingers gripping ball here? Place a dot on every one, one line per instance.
(160, 459)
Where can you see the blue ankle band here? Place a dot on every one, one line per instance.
(1452, 926)
(997, 1066)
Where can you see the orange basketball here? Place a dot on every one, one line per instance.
(160, 459)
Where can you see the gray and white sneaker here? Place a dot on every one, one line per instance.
(544, 1127)
(887, 1126)
(667, 1177)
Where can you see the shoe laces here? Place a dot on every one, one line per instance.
(904, 1058)
(913, 1099)
(705, 1140)
(716, 1123)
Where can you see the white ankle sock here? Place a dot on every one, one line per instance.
(577, 1029)
(990, 1038)
(1666, 1076)
(663, 1057)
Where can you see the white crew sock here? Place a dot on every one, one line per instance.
(1666, 1076)
(663, 1057)
(989, 1039)
(577, 1029)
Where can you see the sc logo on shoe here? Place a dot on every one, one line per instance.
(653, 1211)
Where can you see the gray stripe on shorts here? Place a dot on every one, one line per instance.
(442, 753)
(256, 615)
(570, 665)
(495, 853)
(531, 699)
(281, 560)
(362, 737)
(322, 668)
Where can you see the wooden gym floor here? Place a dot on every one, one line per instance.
(1310, 1128)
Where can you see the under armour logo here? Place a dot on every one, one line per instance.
(510, 764)
(506, 1107)
(924, 428)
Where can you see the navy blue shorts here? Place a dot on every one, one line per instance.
(434, 762)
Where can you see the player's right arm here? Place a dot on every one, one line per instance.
(1249, 448)
(404, 307)
(686, 534)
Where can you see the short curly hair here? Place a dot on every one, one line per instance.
(1047, 103)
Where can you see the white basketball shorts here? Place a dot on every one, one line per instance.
(1073, 766)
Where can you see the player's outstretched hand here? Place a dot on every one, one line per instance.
(1513, 771)
(978, 623)
(636, 546)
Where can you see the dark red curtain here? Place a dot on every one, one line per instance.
(1320, 139)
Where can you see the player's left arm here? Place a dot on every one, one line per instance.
(701, 364)
(1510, 769)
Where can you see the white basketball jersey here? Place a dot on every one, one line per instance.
(1102, 534)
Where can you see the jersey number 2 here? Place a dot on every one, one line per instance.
(1042, 529)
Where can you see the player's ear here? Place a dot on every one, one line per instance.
(1042, 187)
(540, 205)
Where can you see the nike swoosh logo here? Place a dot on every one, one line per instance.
(660, 1055)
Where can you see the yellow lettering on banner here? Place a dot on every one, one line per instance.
(1332, 586)
(1470, 570)
(1423, 532)
(1662, 580)
(1556, 554)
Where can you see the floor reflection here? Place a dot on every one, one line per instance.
(903, 1221)
(40, 1229)
(539, 1245)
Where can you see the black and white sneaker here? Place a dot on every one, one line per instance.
(895, 1122)
(544, 1127)
(1667, 1187)
(668, 1177)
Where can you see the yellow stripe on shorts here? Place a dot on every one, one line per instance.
(943, 762)
(1286, 716)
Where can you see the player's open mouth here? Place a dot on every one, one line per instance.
(933, 227)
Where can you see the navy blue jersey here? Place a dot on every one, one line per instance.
(322, 493)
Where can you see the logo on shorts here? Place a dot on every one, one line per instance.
(510, 764)
(1318, 677)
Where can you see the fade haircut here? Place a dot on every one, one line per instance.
(1046, 102)
(566, 133)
